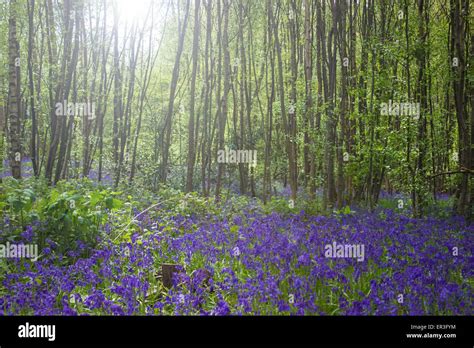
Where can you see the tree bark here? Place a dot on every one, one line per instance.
(192, 134)
(14, 100)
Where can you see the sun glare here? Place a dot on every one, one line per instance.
(134, 10)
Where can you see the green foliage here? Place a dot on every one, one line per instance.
(68, 213)
(284, 206)
(345, 211)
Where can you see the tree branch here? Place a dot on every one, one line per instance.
(462, 171)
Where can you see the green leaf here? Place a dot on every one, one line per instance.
(347, 210)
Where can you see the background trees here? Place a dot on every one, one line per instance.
(300, 81)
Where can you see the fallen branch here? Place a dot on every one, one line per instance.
(134, 219)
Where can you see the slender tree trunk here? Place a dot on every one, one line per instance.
(34, 123)
(289, 146)
(330, 196)
(192, 134)
(205, 154)
(269, 48)
(69, 73)
(459, 9)
(308, 152)
(224, 106)
(14, 100)
(166, 138)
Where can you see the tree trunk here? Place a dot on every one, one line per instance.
(14, 100)
(166, 137)
(192, 134)
(223, 112)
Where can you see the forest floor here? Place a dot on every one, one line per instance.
(106, 252)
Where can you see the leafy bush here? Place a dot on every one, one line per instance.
(64, 215)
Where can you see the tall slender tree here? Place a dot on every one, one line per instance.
(14, 99)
